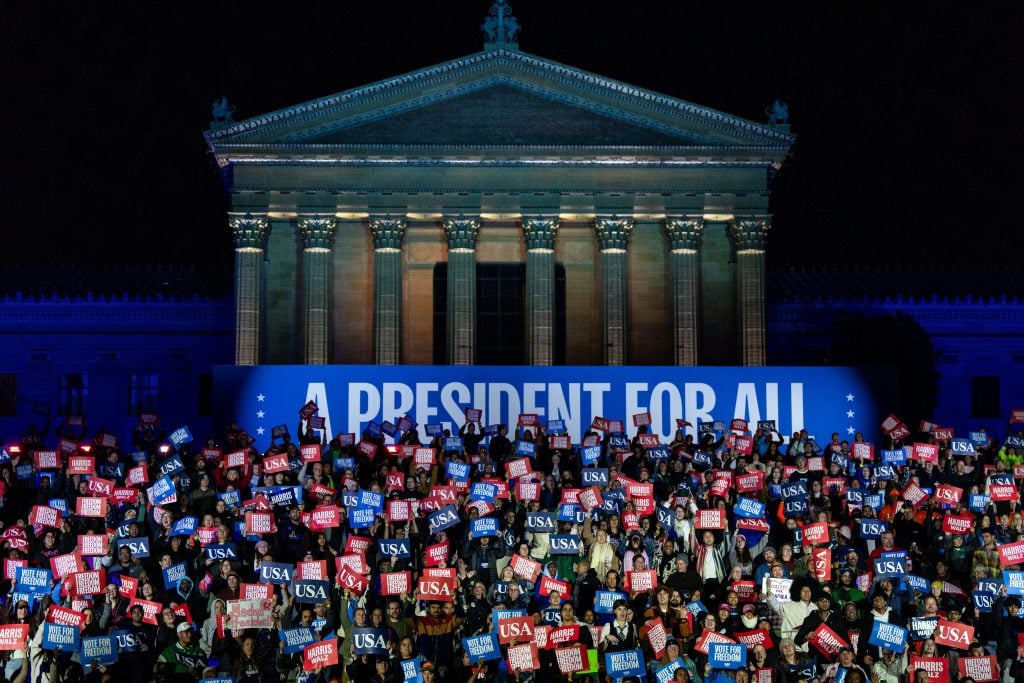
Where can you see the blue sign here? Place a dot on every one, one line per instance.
(796, 489)
(394, 547)
(60, 637)
(174, 574)
(180, 436)
(978, 438)
(483, 647)
(101, 650)
(918, 583)
(889, 636)
(884, 472)
(59, 504)
(665, 517)
(874, 501)
(32, 580)
(373, 429)
(171, 465)
(499, 614)
(628, 663)
(605, 600)
(590, 454)
(594, 476)
(484, 526)
(962, 447)
(278, 573)
(162, 490)
(482, 490)
(138, 546)
(296, 639)
(704, 460)
(749, 508)
(977, 502)
(983, 601)
(492, 430)
(231, 498)
(666, 673)
(618, 442)
(540, 522)
(891, 566)
(658, 453)
(226, 551)
(442, 519)
(896, 456)
(453, 443)
(369, 641)
(361, 516)
(313, 591)
(1014, 582)
(411, 671)
(571, 513)
(872, 528)
(372, 499)
(433, 429)
(556, 427)
(527, 448)
(795, 506)
(358, 394)
(564, 544)
(186, 526)
(345, 464)
(458, 471)
(922, 627)
(727, 655)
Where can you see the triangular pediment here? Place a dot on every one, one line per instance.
(500, 98)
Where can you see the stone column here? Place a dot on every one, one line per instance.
(540, 234)
(388, 232)
(317, 235)
(462, 233)
(613, 235)
(250, 233)
(684, 236)
(748, 239)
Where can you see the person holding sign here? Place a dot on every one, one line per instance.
(470, 438)
(182, 662)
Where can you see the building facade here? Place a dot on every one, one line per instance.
(499, 208)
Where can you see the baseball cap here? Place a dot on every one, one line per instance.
(184, 626)
(747, 609)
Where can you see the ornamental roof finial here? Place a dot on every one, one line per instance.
(501, 29)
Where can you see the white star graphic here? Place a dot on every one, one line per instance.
(849, 397)
(260, 398)
(259, 431)
(260, 414)
(849, 414)
(850, 430)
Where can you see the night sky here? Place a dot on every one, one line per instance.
(909, 115)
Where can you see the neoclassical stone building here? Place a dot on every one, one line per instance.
(499, 208)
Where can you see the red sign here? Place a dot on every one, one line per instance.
(275, 463)
(437, 554)
(951, 495)
(62, 565)
(346, 578)
(528, 419)
(13, 637)
(47, 460)
(815, 533)
(925, 452)
(957, 524)
(548, 585)
(944, 434)
(641, 419)
(913, 494)
(738, 424)
(1002, 492)
(981, 669)
(953, 634)
(570, 659)
(259, 523)
(320, 655)
(150, 609)
(600, 424)
(559, 442)
(128, 588)
(436, 588)
(937, 668)
(255, 591)
(305, 412)
(310, 452)
(87, 506)
(756, 637)
(518, 468)
(1011, 553)
(826, 641)
(744, 445)
(525, 568)
(517, 629)
(81, 464)
(641, 581)
(523, 658)
(125, 494)
(750, 481)
(710, 519)
(395, 583)
(590, 498)
(862, 451)
(707, 637)
(44, 516)
(93, 545)
(65, 616)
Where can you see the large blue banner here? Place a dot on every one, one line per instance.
(350, 397)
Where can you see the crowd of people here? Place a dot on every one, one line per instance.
(726, 555)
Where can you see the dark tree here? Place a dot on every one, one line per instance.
(896, 341)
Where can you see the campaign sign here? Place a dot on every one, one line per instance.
(1014, 582)
(483, 647)
(411, 671)
(922, 627)
(749, 508)
(296, 639)
(442, 519)
(60, 637)
(827, 641)
(540, 522)
(483, 491)
(174, 574)
(564, 544)
(458, 471)
(962, 447)
(980, 669)
(891, 566)
(1011, 554)
(957, 524)
(604, 600)
(370, 641)
(278, 573)
(590, 454)
(872, 528)
(219, 551)
(32, 580)
(954, 634)
(594, 476)
(484, 526)
(727, 655)
(89, 506)
(626, 663)
(937, 668)
(889, 636)
(394, 547)
(983, 601)
(896, 456)
(710, 519)
(13, 636)
(526, 448)
(101, 650)
(320, 655)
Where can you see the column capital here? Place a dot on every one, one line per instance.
(613, 232)
(462, 232)
(684, 232)
(249, 231)
(317, 231)
(540, 232)
(388, 232)
(750, 232)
